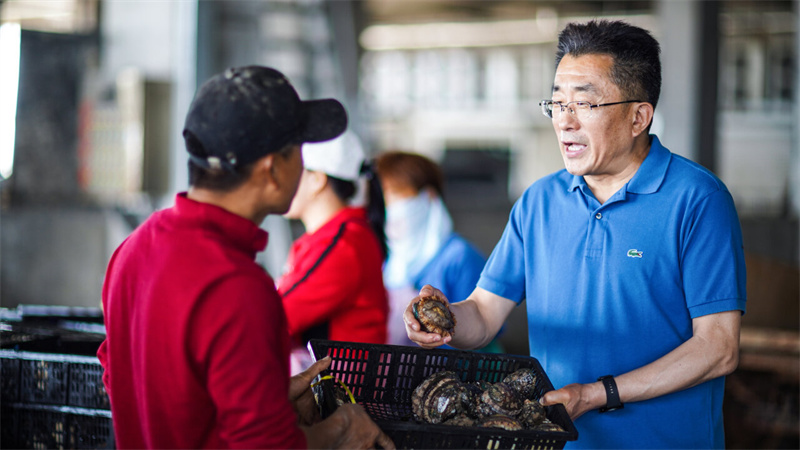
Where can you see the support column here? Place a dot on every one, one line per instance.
(676, 120)
(708, 77)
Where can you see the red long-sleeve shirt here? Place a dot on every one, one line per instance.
(197, 350)
(335, 279)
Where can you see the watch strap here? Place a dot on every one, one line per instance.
(612, 394)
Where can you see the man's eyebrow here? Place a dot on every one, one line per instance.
(588, 87)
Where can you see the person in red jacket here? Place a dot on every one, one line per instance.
(196, 353)
(332, 287)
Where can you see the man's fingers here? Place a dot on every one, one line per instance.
(410, 320)
(430, 291)
(319, 366)
(307, 375)
(428, 340)
(554, 398)
(301, 382)
(418, 336)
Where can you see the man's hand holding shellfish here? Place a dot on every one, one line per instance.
(428, 319)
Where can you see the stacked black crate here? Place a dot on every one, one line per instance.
(52, 389)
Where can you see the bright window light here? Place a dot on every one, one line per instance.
(9, 83)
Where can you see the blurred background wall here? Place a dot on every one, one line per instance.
(93, 95)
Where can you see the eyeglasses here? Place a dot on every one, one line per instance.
(579, 110)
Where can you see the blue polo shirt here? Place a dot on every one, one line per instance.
(613, 287)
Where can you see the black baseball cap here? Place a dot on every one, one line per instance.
(245, 113)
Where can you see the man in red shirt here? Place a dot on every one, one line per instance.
(197, 350)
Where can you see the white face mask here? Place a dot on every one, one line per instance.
(407, 216)
(416, 229)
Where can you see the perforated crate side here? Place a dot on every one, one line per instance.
(43, 381)
(411, 435)
(40, 428)
(387, 375)
(56, 379)
(8, 432)
(58, 427)
(351, 367)
(425, 436)
(86, 388)
(91, 431)
(391, 397)
(9, 379)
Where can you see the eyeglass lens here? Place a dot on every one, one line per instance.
(580, 110)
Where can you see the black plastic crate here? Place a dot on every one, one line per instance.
(86, 386)
(65, 338)
(54, 379)
(56, 427)
(43, 379)
(9, 379)
(13, 337)
(55, 313)
(9, 428)
(382, 379)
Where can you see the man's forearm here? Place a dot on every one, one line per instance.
(712, 352)
(470, 332)
(479, 318)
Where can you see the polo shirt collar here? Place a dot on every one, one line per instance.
(241, 233)
(651, 173)
(648, 177)
(577, 182)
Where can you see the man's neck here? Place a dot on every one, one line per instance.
(605, 185)
(236, 202)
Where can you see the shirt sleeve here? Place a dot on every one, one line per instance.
(240, 348)
(329, 287)
(712, 263)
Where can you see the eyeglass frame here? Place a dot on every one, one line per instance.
(564, 106)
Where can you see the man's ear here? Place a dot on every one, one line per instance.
(643, 116)
(265, 169)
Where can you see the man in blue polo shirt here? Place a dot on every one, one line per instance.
(630, 259)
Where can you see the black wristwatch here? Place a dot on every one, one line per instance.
(612, 394)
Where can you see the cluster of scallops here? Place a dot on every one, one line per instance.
(443, 398)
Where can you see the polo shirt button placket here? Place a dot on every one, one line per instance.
(598, 216)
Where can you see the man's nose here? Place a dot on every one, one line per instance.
(566, 120)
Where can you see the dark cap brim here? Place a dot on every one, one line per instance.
(325, 120)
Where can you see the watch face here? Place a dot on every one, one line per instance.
(611, 408)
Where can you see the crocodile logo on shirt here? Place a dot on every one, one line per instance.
(633, 253)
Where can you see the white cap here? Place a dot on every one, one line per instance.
(340, 157)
